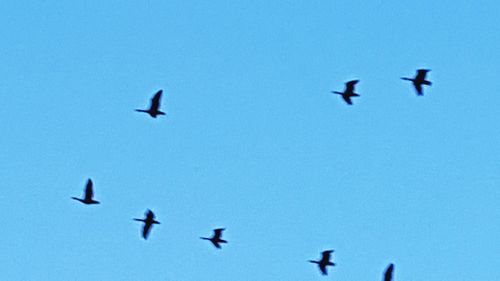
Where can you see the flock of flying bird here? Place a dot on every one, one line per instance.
(88, 199)
(418, 82)
(154, 110)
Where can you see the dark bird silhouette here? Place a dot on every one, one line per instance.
(348, 92)
(419, 80)
(216, 238)
(324, 262)
(148, 223)
(154, 109)
(89, 193)
(388, 272)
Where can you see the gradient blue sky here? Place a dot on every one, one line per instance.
(253, 140)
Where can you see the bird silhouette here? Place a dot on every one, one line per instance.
(324, 262)
(419, 80)
(89, 193)
(154, 109)
(348, 92)
(148, 223)
(216, 238)
(388, 272)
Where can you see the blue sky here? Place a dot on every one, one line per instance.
(253, 140)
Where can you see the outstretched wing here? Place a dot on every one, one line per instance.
(349, 86)
(146, 229)
(150, 215)
(216, 244)
(418, 88)
(347, 99)
(218, 233)
(89, 192)
(388, 272)
(322, 267)
(325, 255)
(155, 101)
(421, 73)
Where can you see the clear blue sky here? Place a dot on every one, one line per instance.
(253, 140)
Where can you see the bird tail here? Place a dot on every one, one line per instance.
(222, 241)
(338, 93)
(311, 261)
(77, 199)
(427, 82)
(156, 222)
(140, 220)
(407, 79)
(142, 110)
(204, 238)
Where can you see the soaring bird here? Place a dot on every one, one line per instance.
(154, 109)
(388, 272)
(419, 80)
(324, 262)
(348, 92)
(148, 223)
(89, 193)
(216, 238)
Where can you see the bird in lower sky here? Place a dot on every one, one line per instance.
(154, 109)
(324, 262)
(388, 272)
(419, 80)
(348, 92)
(89, 193)
(216, 238)
(148, 223)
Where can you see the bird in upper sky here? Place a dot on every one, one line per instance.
(148, 223)
(154, 109)
(419, 80)
(388, 272)
(324, 262)
(216, 238)
(348, 92)
(89, 193)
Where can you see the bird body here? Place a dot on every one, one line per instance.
(148, 223)
(324, 262)
(89, 194)
(419, 80)
(388, 272)
(348, 92)
(154, 109)
(216, 238)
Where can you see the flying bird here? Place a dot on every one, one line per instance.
(216, 238)
(324, 262)
(419, 80)
(348, 92)
(388, 272)
(154, 109)
(89, 193)
(148, 223)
